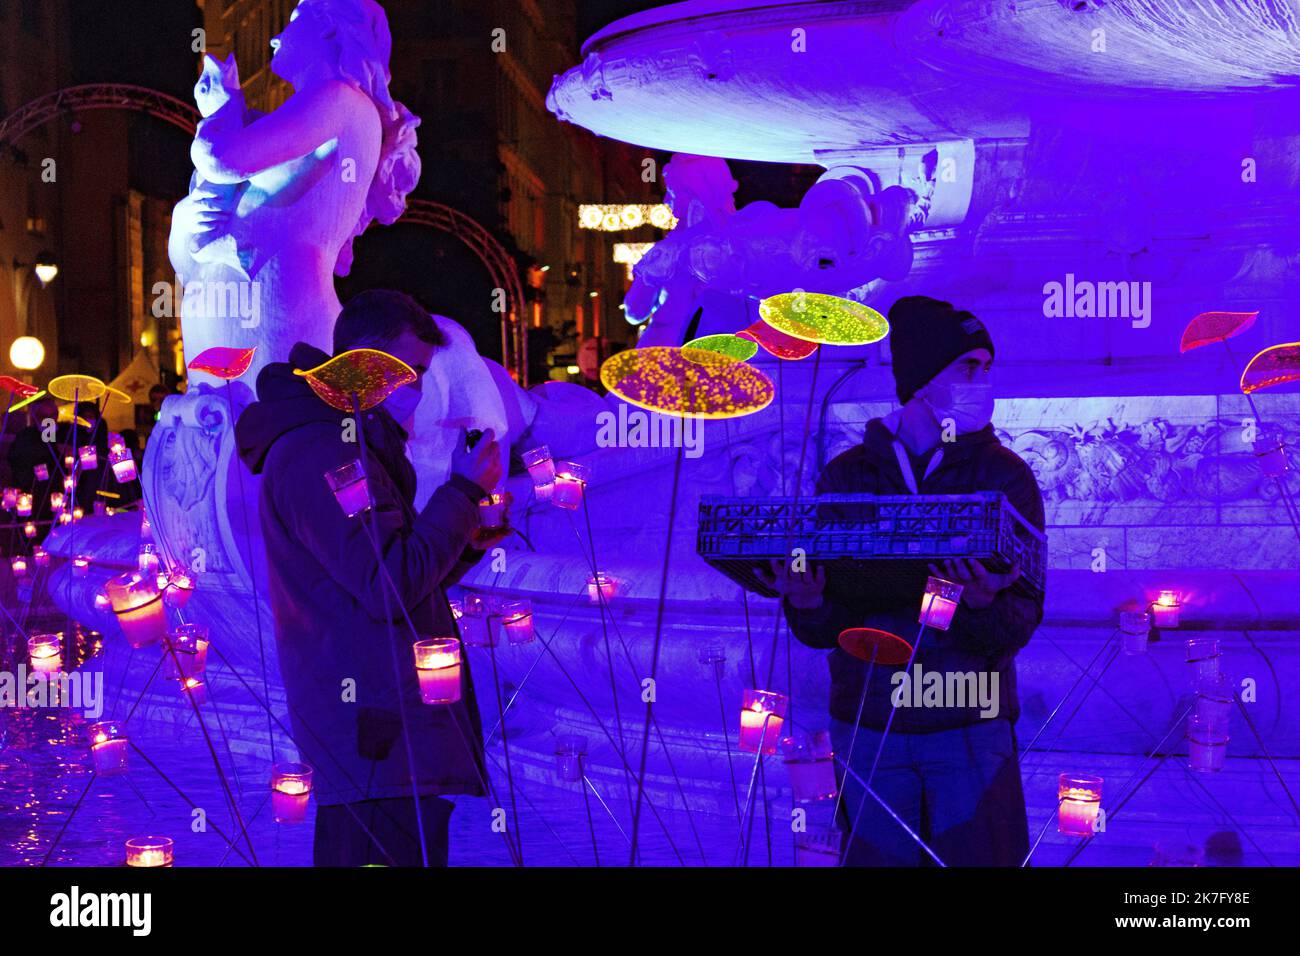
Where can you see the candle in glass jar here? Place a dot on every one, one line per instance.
(148, 559)
(81, 565)
(351, 491)
(567, 489)
(1203, 655)
(1166, 610)
(56, 501)
(437, 663)
(150, 851)
(1080, 799)
(939, 603)
(517, 620)
(19, 565)
(290, 792)
(67, 485)
(761, 717)
(492, 512)
(45, 651)
(196, 689)
(77, 513)
(88, 457)
(177, 588)
(42, 473)
(139, 608)
(540, 465)
(9, 499)
(810, 762)
(41, 557)
(123, 465)
(569, 751)
(108, 747)
(601, 585)
(29, 530)
(24, 505)
(186, 654)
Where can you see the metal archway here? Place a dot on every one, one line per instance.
(124, 96)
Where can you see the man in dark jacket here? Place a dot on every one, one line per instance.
(949, 767)
(336, 629)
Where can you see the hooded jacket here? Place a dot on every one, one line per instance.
(337, 639)
(982, 642)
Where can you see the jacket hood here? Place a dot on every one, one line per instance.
(284, 402)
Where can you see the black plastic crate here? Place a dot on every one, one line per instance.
(870, 544)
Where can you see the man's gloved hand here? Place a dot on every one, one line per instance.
(803, 589)
(979, 585)
(480, 464)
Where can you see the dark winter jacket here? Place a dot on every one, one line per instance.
(978, 640)
(328, 595)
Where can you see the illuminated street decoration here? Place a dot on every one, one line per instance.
(733, 346)
(223, 362)
(629, 254)
(20, 389)
(369, 374)
(691, 383)
(1215, 327)
(616, 217)
(69, 388)
(1275, 365)
(827, 319)
(777, 342)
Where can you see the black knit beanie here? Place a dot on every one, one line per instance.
(925, 336)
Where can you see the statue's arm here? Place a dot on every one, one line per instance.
(305, 122)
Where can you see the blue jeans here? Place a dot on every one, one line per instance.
(958, 790)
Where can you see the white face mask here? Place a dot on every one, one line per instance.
(968, 404)
(402, 404)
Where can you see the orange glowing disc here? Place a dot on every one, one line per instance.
(223, 361)
(368, 374)
(1276, 365)
(76, 388)
(777, 342)
(690, 383)
(1215, 327)
(864, 643)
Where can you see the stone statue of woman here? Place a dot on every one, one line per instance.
(311, 176)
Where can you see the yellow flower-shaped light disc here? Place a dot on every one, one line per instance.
(742, 350)
(369, 374)
(687, 382)
(827, 319)
(79, 388)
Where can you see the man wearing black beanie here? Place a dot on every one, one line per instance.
(949, 769)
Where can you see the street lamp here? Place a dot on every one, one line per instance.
(27, 353)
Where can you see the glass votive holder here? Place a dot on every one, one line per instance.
(81, 566)
(185, 654)
(150, 851)
(1214, 702)
(351, 490)
(290, 792)
(9, 499)
(1079, 796)
(475, 627)
(601, 586)
(492, 512)
(939, 603)
(570, 481)
(108, 747)
(147, 559)
(18, 564)
(23, 506)
(517, 622)
(570, 749)
(29, 530)
(1166, 610)
(810, 762)
(123, 464)
(196, 689)
(77, 514)
(714, 657)
(818, 846)
(540, 465)
(1203, 655)
(88, 457)
(437, 663)
(42, 472)
(57, 500)
(1135, 631)
(544, 493)
(41, 557)
(762, 715)
(68, 485)
(45, 652)
(177, 588)
(1207, 745)
(138, 605)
